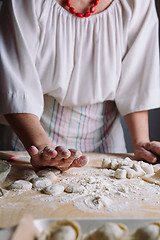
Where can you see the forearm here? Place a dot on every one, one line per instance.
(29, 130)
(137, 124)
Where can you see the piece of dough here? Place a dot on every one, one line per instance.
(29, 174)
(138, 169)
(148, 168)
(20, 185)
(62, 230)
(114, 164)
(109, 231)
(40, 182)
(54, 189)
(156, 167)
(153, 179)
(120, 173)
(47, 174)
(127, 162)
(148, 232)
(75, 188)
(131, 173)
(106, 163)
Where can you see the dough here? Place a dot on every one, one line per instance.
(148, 232)
(156, 167)
(120, 173)
(54, 189)
(148, 168)
(109, 231)
(153, 179)
(138, 169)
(127, 162)
(47, 173)
(20, 185)
(29, 174)
(131, 173)
(75, 188)
(62, 230)
(106, 163)
(40, 182)
(114, 164)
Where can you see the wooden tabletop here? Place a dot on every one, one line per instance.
(15, 204)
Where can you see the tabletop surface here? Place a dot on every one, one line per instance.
(126, 198)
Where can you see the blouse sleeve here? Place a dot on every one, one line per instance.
(20, 87)
(139, 85)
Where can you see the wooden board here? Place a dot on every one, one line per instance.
(15, 204)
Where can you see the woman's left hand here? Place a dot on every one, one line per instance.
(148, 151)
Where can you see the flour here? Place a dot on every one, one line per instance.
(107, 194)
(98, 190)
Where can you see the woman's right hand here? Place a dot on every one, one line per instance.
(60, 157)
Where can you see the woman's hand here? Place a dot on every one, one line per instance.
(138, 127)
(149, 151)
(59, 157)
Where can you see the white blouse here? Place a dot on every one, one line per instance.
(112, 55)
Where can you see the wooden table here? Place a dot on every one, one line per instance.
(15, 204)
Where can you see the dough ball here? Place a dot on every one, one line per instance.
(47, 173)
(148, 232)
(40, 183)
(109, 231)
(20, 185)
(54, 189)
(29, 174)
(75, 188)
(61, 230)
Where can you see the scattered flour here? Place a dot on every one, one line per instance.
(94, 189)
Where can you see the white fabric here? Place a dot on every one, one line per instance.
(112, 55)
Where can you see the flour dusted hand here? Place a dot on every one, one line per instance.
(148, 151)
(59, 157)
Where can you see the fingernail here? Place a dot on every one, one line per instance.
(154, 160)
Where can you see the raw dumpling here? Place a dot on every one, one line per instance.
(20, 185)
(47, 173)
(148, 232)
(61, 230)
(40, 182)
(109, 231)
(54, 189)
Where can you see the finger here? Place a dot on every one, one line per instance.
(63, 163)
(62, 152)
(33, 151)
(48, 153)
(80, 162)
(144, 154)
(35, 160)
(154, 147)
